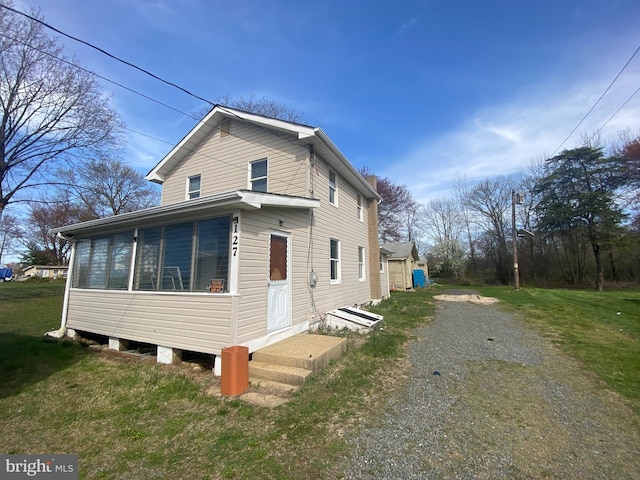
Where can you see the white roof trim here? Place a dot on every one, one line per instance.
(243, 199)
(303, 133)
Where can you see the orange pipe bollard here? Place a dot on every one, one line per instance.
(234, 378)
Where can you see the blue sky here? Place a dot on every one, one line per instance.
(418, 91)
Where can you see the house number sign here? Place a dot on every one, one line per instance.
(235, 240)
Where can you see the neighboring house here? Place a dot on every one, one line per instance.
(46, 271)
(264, 227)
(402, 263)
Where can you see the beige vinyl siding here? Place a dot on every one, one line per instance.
(200, 323)
(223, 164)
(254, 267)
(340, 223)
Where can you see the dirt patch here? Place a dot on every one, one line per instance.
(473, 298)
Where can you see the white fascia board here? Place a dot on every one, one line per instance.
(133, 218)
(242, 199)
(343, 160)
(274, 200)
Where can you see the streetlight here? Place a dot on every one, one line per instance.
(516, 198)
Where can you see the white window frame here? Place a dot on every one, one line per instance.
(361, 265)
(333, 260)
(381, 263)
(265, 177)
(359, 206)
(191, 194)
(333, 188)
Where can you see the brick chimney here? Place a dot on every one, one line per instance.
(374, 245)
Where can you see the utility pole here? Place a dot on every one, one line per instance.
(516, 198)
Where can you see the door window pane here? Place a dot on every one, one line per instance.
(278, 258)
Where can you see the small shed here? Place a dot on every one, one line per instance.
(402, 262)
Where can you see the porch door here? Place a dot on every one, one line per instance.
(279, 295)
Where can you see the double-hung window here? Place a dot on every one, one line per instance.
(333, 188)
(193, 187)
(258, 175)
(335, 260)
(361, 263)
(359, 207)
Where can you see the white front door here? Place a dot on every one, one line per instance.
(279, 296)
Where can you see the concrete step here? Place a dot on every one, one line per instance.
(277, 373)
(306, 351)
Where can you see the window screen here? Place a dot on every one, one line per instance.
(335, 259)
(194, 187)
(103, 262)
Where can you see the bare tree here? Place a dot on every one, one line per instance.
(443, 218)
(109, 187)
(462, 192)
(491, 200)
(9, 234)
(262, 106)
(50, 111)
(42, 218)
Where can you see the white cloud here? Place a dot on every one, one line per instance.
(507, 138)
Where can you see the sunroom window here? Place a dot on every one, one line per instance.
(103, 262)
(166, 255)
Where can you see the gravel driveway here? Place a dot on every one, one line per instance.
(488, 398)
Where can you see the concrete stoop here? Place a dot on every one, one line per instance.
(292, 360)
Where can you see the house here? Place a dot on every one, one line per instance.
(46, 271)
(264, 227)
(402, 262)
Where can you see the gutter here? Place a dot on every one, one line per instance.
(62, 331)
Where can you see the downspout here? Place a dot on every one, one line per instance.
(67, 289)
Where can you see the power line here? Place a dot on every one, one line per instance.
(192, 151)
(618, 110)
(45, 24)
(71, 64)
(597, 101)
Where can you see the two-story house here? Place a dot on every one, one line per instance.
(264, 226)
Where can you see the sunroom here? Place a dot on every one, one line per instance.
(168, 275)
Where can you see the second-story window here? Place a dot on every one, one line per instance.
(333, 188)
(359, 200)
(258, 175)
(193, 187)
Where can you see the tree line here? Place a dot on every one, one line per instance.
(577, 222)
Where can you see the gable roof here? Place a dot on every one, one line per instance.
(307, 135)
(401, 250)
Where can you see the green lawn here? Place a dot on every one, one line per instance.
(600, 329)
(135, 419)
